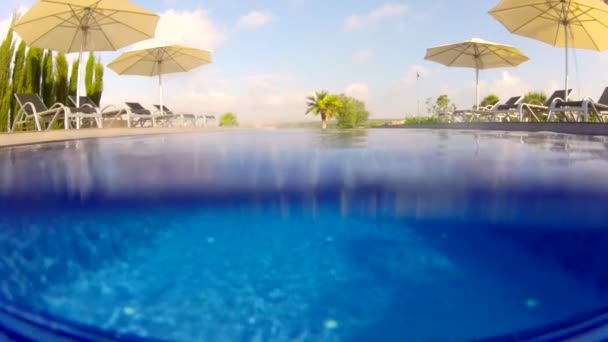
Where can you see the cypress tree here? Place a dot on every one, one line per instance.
(6, 89)
(18, 75)
(18, 68)
(89, 75)
(74, 79)
(32, 71)
(7, 115)
(37, 74)
(98, 85)
(61, 79)
(47, 83)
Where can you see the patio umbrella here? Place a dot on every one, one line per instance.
(85, 25)
(478, 54)
(581, 24)
(158, 61)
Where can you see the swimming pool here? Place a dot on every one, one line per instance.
(305, 236)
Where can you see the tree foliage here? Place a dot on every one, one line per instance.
(73, 88)
(490, 100)
(229, 120)
(18, 74)
(6, 88)
(442, 104)
(47, 82)
(32, 71)
(61, 79)
(352, 113)
(89, 76)
(324, 104)
(98, 84)
(417, 120)
(535, 98)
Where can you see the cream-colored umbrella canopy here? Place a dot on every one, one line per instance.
(161, 60)
(478, 54)
(85, 25)
(581, 24)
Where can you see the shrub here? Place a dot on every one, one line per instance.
(422, 120)
(352, 113)
(229, 120)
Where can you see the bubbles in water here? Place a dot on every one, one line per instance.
(331, 324)
(129, 311)
(532, 303)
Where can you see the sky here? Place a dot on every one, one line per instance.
(270, 54)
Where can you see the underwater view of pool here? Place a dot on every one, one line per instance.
(388, 235)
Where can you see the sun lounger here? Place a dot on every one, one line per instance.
(471, 114)
(136, 112)
(579, 110)
(557, 96)
(108, 112)
(210, 119)
(481, 112)
(182, 116)
(33, 108)
(502, 111)
(533, 110)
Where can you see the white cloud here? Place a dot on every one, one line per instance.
(255, 19)
(358, 90)
(376, 15)
(255, 98)
(262, 81)
(362, 56)
(192, 28)
(507, 86)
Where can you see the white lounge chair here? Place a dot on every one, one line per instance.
(502, 111)
(471, 114)
(210, 119)
(579, 110)
(109, 112)
(182, 116)
(136, 112)
(522, 109)
(481, 112)
(33, 108)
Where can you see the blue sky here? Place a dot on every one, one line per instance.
(268, 55)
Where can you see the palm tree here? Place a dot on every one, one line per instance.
(535, 98)
(324, 104)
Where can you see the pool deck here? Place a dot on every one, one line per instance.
(25, 138)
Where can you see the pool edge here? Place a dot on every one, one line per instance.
(592, 129)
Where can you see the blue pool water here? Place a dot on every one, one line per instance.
(385, 235)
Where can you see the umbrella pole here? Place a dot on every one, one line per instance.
(79, 81)
(160, 86)
(566, 89)
(477, 88)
